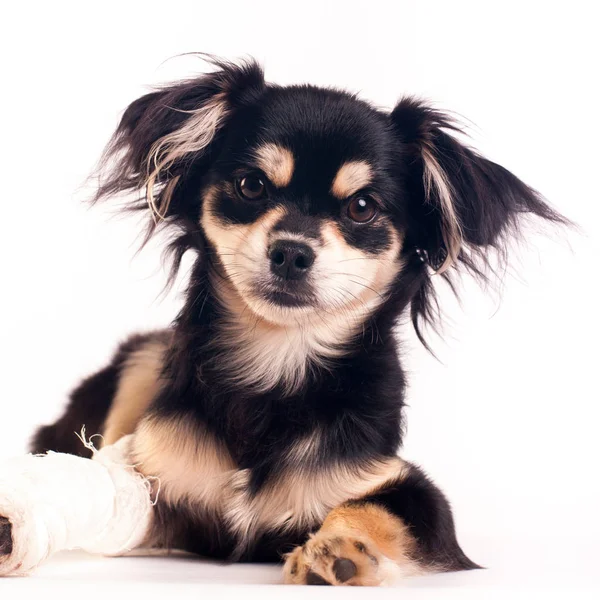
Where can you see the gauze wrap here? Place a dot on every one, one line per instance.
(61, 502)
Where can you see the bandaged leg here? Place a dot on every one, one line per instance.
(60, 502)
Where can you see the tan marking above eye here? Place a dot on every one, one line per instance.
(351, 177)
(276, 162)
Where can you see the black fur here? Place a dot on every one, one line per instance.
(356, 399)
(424, 508)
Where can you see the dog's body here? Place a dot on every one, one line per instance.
(272, 408)
(224, 495)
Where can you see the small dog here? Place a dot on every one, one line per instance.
(271, 410)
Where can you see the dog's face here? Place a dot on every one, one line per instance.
(301, 207)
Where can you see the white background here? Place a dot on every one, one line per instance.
(507, 422)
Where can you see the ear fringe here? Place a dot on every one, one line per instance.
(191, 138)
(418, 124)
(481, 207)
(487, 266)
(164, 131)
(434, 177)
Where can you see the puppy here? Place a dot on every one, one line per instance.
(271, 411)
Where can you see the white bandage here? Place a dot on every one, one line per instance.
(61, 502)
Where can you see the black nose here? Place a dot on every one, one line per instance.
(290, 259)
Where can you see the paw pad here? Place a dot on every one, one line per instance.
(344, 569)
(313, 578)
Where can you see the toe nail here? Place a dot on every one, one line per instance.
(314, 579)
(344, 569)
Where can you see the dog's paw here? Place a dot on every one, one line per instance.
(328, 559)
(6, 542)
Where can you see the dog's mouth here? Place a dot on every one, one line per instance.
(288, 294)
(288, 299)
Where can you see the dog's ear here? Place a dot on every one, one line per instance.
(460, 204)
(168, 136)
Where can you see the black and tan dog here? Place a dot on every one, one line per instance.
(271, 411)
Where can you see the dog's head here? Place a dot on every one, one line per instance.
(308, 200)
(302, 207)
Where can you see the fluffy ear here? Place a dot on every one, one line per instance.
(167, 137)
(461, 203)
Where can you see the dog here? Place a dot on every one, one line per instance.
(270, 412)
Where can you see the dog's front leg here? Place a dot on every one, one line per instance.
(58, 502)
(404, 527)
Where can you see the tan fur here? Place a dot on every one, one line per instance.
(378, 543)
(390, 534)
(277, 163)
(434, 177)
(355, 278)
(193, 136)
(238, 246)
(269, 344)
(262, 353)
(190, 464)
(306, 450)
(350, 178)
(138, 385)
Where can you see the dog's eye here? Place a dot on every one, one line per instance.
(362, 209)
(251, 187)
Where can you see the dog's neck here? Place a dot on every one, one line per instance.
(260, 355)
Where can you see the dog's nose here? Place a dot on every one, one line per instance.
(291, 259)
